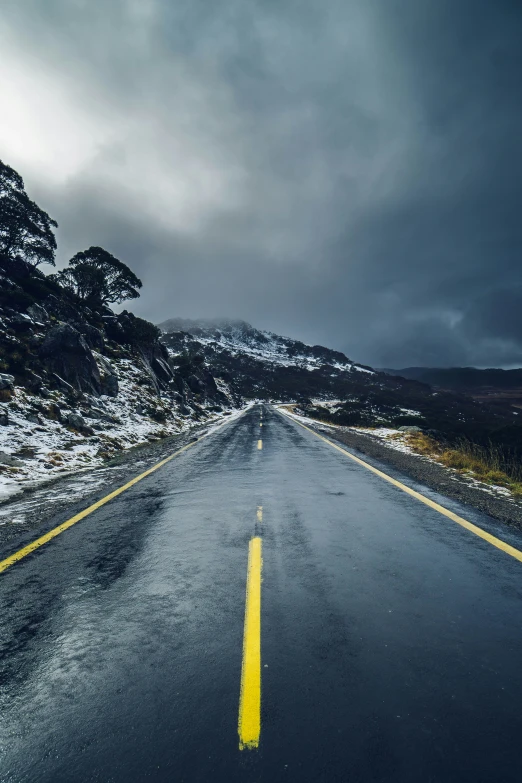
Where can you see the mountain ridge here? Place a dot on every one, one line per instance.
(492, 384)
(240, 335)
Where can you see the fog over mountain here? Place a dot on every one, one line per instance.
(347, 173)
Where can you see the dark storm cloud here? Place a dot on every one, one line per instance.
(345, 172)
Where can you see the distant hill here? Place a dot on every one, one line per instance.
(263, 365)
(492, 384)
(239, 337)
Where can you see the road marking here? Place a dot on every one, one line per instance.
(493, 540)
(249, 724)
(259, 444)
(26, 550)
(260, 513)
(260, 423)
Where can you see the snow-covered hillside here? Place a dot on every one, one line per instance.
(240, 338)
(80, 384)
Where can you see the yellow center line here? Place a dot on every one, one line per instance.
(478, 531)
(260, 513)
(249, 723)
(26, 550)
(259, 444)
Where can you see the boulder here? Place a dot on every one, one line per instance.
(70, 358)
(195, 385)
(34, 381)
(410, 429)
(7, 459)
(6, 381)
(93, 336)
(98, 413)
(210, 383)
(113, 329)
(21, 322)
(108, 377)
(4, 418)
(61, 308)
(38, 313)
(75, 420)
(63, 384)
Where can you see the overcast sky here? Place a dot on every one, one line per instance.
(346, 172)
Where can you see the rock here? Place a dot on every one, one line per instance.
(33, 418)
(97, 413)
(93, 336)
(410, 429)
(6, 381)
(108, 377)
(61, 308)
(21, 322)
(4, 418)
(44, 392)
(54, 412)
(34, 381)
(35, 340)
(69, 357)
(63, 384)
(7, 459)
(75, 420)
(113, 329)
(38, 313)
(210, 383)
(161, 368)
(195, 385)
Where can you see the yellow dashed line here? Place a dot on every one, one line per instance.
(249, 723)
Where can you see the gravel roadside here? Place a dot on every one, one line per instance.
(424, 471)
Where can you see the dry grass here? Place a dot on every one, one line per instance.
(490, 464)
(54, 458)
(424, 444)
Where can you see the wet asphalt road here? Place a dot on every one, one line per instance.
(391, 637)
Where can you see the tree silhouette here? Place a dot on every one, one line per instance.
(97, 277)
(25, 229)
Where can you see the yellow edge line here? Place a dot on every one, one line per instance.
(12, 559)
(249, 723)
(497, 542)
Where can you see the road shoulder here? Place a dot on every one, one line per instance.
(424, 471)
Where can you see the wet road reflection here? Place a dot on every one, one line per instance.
(390, 638)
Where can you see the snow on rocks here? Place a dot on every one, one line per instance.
(43, 438)
(239, 338)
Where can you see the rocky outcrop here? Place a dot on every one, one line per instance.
(6, 381)
(67, 354)
(108, 377)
